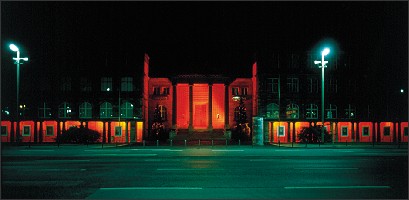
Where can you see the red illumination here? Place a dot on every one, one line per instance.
(200, 106)
(218, 106)
(182, 106)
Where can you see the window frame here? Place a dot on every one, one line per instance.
(126, 84)
(235, 91)
(342, 131)
(46, 130)
(116, 131)
(66, 109)
(106, 83)
(127, 109)
(4, 133)
(278, 131)
(363, 131)
(389, 130)
(107, 109)
(86, 109)
(25, 127)
(293, 85)
(310, 109)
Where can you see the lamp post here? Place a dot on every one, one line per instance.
(322, 66)
(17, 62)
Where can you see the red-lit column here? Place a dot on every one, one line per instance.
(210, 127)
(190, 107)
(353, 131)
(104, 133)
(40, 134)
(357, 132)
(174, 108)
(226, 106)
(35, 132)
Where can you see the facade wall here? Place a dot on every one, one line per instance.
(345, 136)
(160, 99)
(363, 135)
(403, 125)
(248, 102)
(386, 136)
(6, 126)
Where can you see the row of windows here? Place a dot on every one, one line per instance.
(157, 90)
(235, 91)
(292, 111)
(345, 133)
(293, 86)
(85, 110)
(106, 84)
(49, 131)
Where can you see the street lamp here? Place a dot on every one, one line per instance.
(322, 66)
(17, 62)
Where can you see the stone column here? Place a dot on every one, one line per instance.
(174, 108)
(357, 132)
(35, 132)
(40, 135)
(226, 106)
(353, 131)
(210, 127)
(109, 132)
(104, 133)
(190, 107)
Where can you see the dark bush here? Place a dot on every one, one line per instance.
(79, 135)
(313, 135)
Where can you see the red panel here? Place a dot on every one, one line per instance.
(139, 131)
(6, 138)
(385, 138)
(283, 138)
(96, 126)
(347, 138)
(363, 138)
(402, 129)
(49, 138)
(200, 106)
(299, 126)
(69, 124)
(218, 106)
(182, 106)
(27, 138)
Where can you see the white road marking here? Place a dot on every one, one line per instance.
(333, 168)
(125, 154)
(38, 150)
(186, 169)
(153, 188)
(156, 149)
(289, 150)
(62, 161)
(342, 187)
(228, 150)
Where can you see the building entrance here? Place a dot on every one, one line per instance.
(200, 116)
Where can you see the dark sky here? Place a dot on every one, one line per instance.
(201, 37)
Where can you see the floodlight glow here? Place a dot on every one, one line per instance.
(13, 47)
(401, 90)
(325, 52)
(25, 59)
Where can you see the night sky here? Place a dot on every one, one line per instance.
(201, 37)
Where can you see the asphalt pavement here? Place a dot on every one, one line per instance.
(204, 172)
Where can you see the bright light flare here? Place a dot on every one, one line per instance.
(13, 47)
(325, 52)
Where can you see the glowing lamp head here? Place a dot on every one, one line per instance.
(401, 90)
(13, 47)
(325, 52)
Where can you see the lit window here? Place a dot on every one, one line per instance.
(127, 110)
(244, 91)
(281, 131)
(331, 112)
(292, 111)
(350, 112)
(106, 84)
(44, 111)
(64, 110)
(4, 131)
(166, 91)
(118, 130)
(156, 90)
(235, 91)
(365, 131)
(105, 110)
(49, 130)
(126, 84)
(344, 131)
(160, 114)
(85, 110)
(26, 131)
(312, 112)
(272, 111)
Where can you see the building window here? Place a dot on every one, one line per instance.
(44, 111)
(4, 131)
(281, 131)
(350, 112)
(105, 110)
(273, 84)
(235, 91)
(244, 91)
(331, 112)
(156, 90)
(127, 110)
(160, 114)
(312, 112)
(118, 130)
(166, 91)
(333, 86)
(64, 110)
(292, 85)
(49, 130)
(344, 131)
(106, 84)
(312, 85)
(85, 85)
(26, 131)
(272, 111)
(295, 61)
(365, 131)
(292, 111)
(126, 84)
(405, 131)
(65, 84)
(85, 110)
(386, 131)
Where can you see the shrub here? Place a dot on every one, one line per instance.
(313, 135)
(79, 135)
